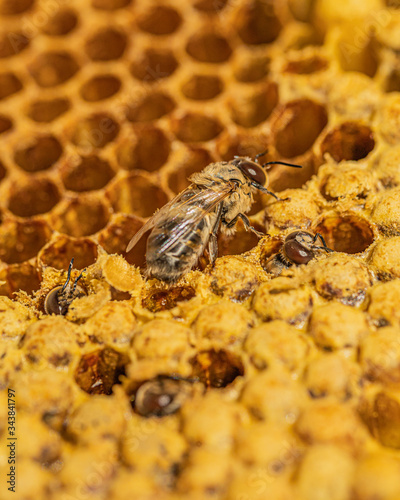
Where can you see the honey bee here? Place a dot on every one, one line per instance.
(298, 248)
(218, 196)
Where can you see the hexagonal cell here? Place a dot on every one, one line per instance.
(217, 368)
(250, 108)
(202, 87)
(59, 252)
(160, 20)
(163, 300)
(95, 131)
(195, 127)
(242, 144)
(12, 43)
(14, 7)
(282, 177)
(81, 216)
(208, 47)
(22, 240)
(110, 4)
(99, 370)
(347, 233)
(45, 111)
(23, 277)
(32, 196)
(61, 23)
(9, 85)
(194, 160)
(136, 194)
(150, 107)
(147, 150)
(257, 22)
(116, 236)
(350, 141)
(107, 44)
(297, 126)
(392, 81)
(307, 65)
(249, 67)
(88, 174)
(240, 242)
(154, 64)
(53, 68)
(39, 154)
(5, 124)
(100, 87)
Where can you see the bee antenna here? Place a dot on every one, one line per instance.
(76, 281)
(68, 275)
(281, 163)
(258, 155)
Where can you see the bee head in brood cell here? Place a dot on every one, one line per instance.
(59, 299)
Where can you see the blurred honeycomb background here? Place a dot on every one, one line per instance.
(286, 387)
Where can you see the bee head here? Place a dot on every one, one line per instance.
(251, 170)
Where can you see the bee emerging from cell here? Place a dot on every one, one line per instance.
(182, 230)
(299, 247)
(59, 299)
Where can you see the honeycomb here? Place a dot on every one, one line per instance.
(235, 383)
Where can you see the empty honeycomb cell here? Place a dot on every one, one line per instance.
(40, 153)
(150, 107)
(14, 7)
(45, 111)
(81, 216)
(50, 69)
(160, 20)
(5, 124)
(297, 126)
(163, 300)
(347, 233)
(23, 276)
(22, 240)
(249, 67)
(63, 22)
(240, 242)
(100, 87)
(59, 252)
(193, 160)
(136, 194)
(257, 23)
(243, 143)
(208, 47)
(209, 6)
(307, 66)
(88, 174)
(106, 45)
(9, 85)
(195, 127)
(94, 131)
(350, 141)
(217, 368)
(147, 150)
(250, 108)
(116, 236)
(12, 43)
(154, 64)
(33, 196)
(110, 4)
(202, 87)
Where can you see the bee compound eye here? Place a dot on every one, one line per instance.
(159, 397)
(51, 303)
(252, 171)
(297, 252)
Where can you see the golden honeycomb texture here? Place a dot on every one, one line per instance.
(236, 382)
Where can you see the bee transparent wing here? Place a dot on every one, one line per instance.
(195, 209)
(179, 203)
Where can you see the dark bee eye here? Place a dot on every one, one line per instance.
(296, 249)
(52, 304)
(251, 170)
(160, 397)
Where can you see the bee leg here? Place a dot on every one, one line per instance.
(212, 248)
(246, 222)
(265, 190)
(325, 246)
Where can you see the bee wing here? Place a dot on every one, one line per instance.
(196, 208)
